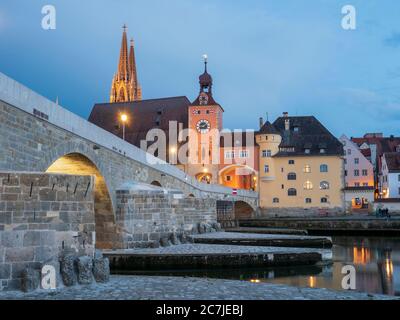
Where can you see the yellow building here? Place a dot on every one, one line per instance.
(301, 168)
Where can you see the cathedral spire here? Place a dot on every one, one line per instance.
(123, 66)
(133, 73)
(125, 86)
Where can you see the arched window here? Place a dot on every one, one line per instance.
(291, 176)
(275, 200)
(308, 185)
(324, 200)
(308, 200)
(323, 168)
(324, 185)
(292, 192)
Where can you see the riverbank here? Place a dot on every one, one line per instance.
(350, 225)
(186, 288)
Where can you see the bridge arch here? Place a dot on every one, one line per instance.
(76, 163)
(243, 210)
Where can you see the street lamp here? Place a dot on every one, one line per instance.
(124, 119)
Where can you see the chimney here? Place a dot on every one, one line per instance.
(287, 121)
(261, 122)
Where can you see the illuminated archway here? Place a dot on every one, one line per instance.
(204, 177)
(239, 177)
(107, 236)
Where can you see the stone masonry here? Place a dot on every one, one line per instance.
(147, 216)
(40, 216)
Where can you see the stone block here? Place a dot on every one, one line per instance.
(19, 254)
(101, 269)
(85, 267)
(12, 238)
(31, 238)
(30, 280)
(68, 270)
(5, 271)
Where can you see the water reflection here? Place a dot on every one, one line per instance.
(376, 260)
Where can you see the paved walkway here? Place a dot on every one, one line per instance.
(184, 288)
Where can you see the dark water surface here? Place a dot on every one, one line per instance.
(376, 260)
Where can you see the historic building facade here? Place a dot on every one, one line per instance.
(359, 177)
(301, 168)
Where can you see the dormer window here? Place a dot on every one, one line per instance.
(307, 151)
(296, 129)
(322, 150)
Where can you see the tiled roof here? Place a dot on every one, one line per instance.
(393, 161)
(142, 115)
(268, 128)
(306, 133)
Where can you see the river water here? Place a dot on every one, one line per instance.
(376, 261)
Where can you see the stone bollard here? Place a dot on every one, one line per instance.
(174, 239)
(164, 242)
(101, 269)
(68, 270)
(30, 280)
(85, 267)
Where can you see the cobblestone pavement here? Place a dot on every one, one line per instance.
(185, 288)
(197, 248)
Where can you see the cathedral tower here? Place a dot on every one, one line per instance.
(125, 86)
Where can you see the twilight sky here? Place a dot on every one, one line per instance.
(264, 55)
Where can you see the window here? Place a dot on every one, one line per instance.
(345, 173)
(308, 185)
(308, 200)
(228, 178)
(324, 200)
(324, 185)
(291, 161)
(292, 192)
(264, 153)
(398, 178)
(307, 151)
(244, 154)
(291, 176)
(307, 168)
(229, 154)
(345, 161)
(322, 150)
(349, 151)
(275, 200)
(365, 172)
(356, 173)
(365, 184)
(266, 168)
(323, 168)
(356, 184)
(283, 186)
(296, 129)
(356, 160)
(208, 112)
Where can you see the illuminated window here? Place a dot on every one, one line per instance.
(308, 185)
(307, 168)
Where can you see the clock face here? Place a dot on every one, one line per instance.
(203, 99)
(203, 126)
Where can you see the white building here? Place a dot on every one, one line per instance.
(390, 176)
(359, 178)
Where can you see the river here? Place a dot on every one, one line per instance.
(376, 261)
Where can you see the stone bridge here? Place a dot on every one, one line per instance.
(37, 135)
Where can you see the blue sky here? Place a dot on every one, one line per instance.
(265, 56)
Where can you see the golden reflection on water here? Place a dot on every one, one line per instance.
(361, 255)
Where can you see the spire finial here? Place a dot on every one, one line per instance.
(124, 27)
(132, 42)
(205, 57)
